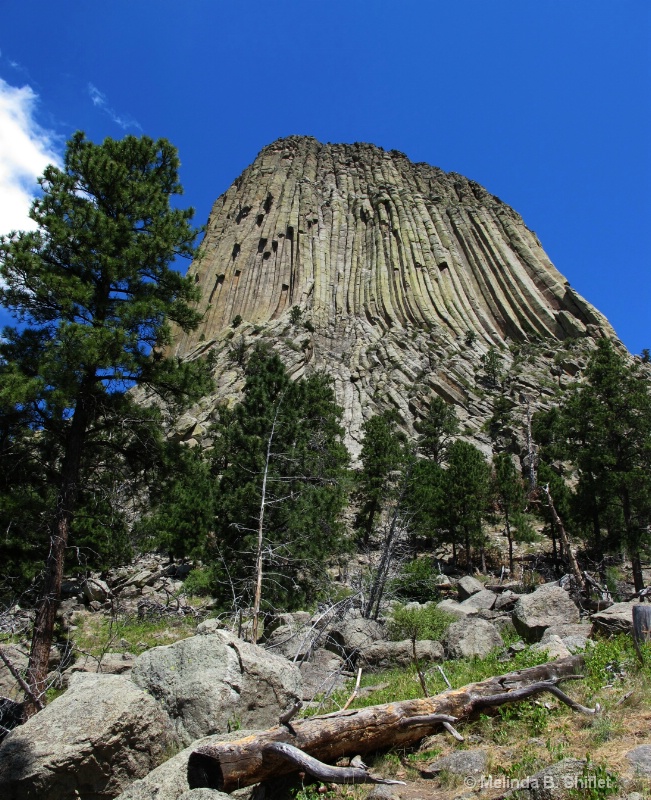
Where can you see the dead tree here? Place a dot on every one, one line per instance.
(574, 565)
(290, 746)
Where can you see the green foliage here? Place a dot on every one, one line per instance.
(436, 430)
(470, 338)
(428, 622)
(492, 365)
(285, 439)
(416, 581)
(184, 501)
(384, 456)
(237, 321)
(199, 582)
(604, 428)
(467, 494)
(425, 499)
(295, 315)
(94, 294)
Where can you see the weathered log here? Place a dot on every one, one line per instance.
(228, 766)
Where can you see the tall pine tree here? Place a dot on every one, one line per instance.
(93, 290)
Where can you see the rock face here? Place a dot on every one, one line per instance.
(549, 605)
(403, 276)
(212, 682)
(91, 742)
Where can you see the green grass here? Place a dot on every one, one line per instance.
(97, 635)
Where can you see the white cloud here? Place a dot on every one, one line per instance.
(25, 151)
(100, 101)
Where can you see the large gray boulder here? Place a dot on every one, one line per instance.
(383, 655)
(549, 605)
(210, 683)
(19, 657)
(351, 635)
(483, 600)
(618, 618)
(468, 586)
(467, 638)
(323, 673)
(91, 742)
(457, 610)
(170, 780)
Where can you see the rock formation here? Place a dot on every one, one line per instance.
(392, 276)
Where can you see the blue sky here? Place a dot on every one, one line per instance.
(547, 104)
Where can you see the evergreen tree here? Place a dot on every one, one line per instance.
(436, 430)
(282, 470)
(93, 290)
(184, 500)
(384, 454)
(466, 492)
(509, 491)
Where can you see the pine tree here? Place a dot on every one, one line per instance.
(467, 491)
(93, 289)
(509, 491)
(282, 471)
(383, 457)
(437, 429)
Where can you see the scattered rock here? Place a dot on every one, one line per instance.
(506, 600)
(471, 637)
(549, 605)
(383, 655)
(211, 682)
(553, 646)
(92, 741)
(616, 619)
(640, 758)
(455, 609)
(350, 636)
(468, 586)
(459, 762)
(19, 656)
(96, 590)
(111, 664)
(324, 672)
(483, 600)
(552, 783)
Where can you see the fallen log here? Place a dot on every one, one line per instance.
(227, 766)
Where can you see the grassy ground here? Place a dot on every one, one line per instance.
(523, 738)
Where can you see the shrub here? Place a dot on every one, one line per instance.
(418, 623)
(199, 582)
(416, 581)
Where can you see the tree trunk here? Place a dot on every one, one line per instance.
(565, 539)
(258, 558)
(231, 765)
(510, 540)
(48, 604)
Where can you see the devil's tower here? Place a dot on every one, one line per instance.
(404, 276)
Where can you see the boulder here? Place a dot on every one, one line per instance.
(574, 637)
(506, 600)
(483, 600)
(383, 655)
(460, 762)
(295, 619)
(551, 783)
(468, 586)
(210, 626)
(471, 637)
(170, 780)
(640, 759)
(210, 683)
(19, 656)
(616, 619)
(291, 641)
(455, 609)
(90, 742)
(553, 646)
(324, 672)
(549, 605)
(351, 635)
(95, 589)
(111, 664)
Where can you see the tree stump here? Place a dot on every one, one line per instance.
(641, 627)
